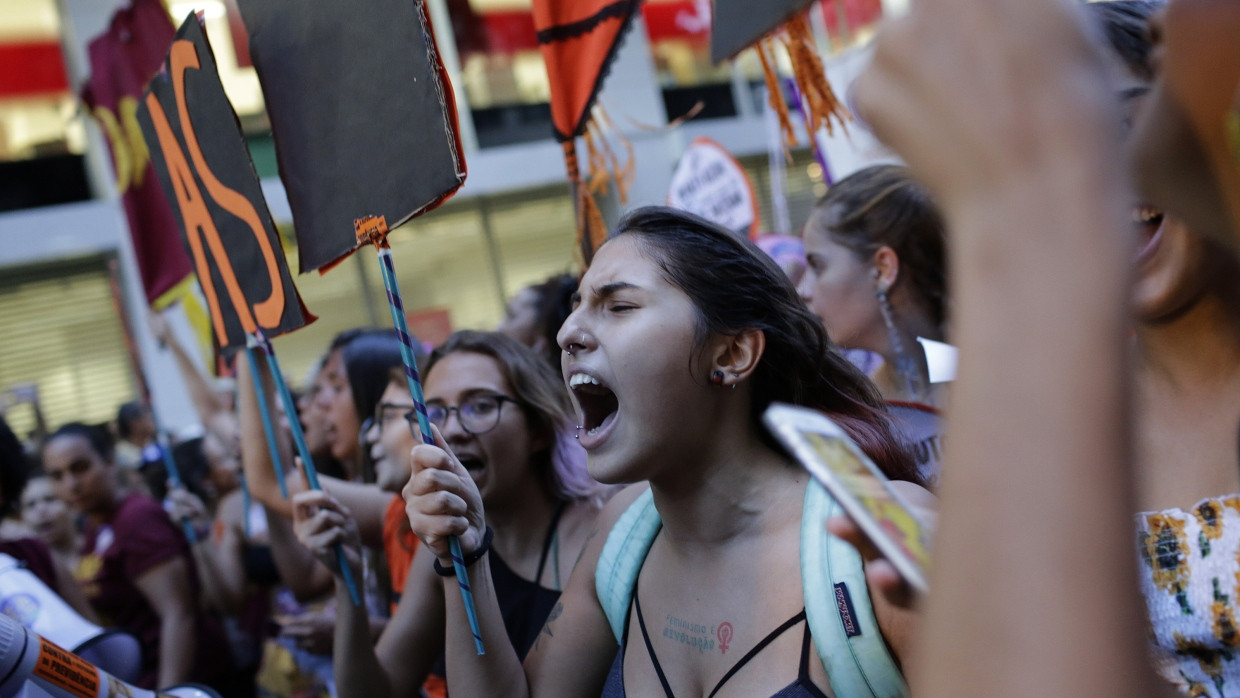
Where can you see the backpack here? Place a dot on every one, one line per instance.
(837, 604)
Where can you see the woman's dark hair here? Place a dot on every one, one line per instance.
(540, 392)
(98, 437)
(1126, 26)
(736, 288)
(884, 206)
(367, 358)
(128, 413)
(555, 303)
(14, 470)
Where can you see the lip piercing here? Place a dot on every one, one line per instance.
(577, 432)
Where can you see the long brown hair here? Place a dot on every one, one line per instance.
(735, 288)
(540, 392)
(884, 206)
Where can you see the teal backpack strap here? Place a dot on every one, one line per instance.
(837, 606)
(621, 560)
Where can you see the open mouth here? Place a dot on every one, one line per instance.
(1148, 222)
(472, 463)
(597, 402)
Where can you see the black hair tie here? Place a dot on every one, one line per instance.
(470, 558)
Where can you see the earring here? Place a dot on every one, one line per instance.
(716, 377)
(905, 365)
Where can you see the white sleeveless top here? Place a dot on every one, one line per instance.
(1190, 577)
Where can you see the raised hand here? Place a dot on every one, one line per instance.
(312, 631)
(160, 328)
(321, 522)
(442, 500)
(975, 95)
(183, 505)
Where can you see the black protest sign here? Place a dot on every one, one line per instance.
(362, 114)
(204, 166)
(739, 24)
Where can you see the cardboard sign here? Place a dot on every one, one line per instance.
(578, 40)
(203, 164)
(740, 23)
(362, 113)
(709, 182)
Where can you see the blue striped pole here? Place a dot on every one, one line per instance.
(268, 426)
(245, 505)
(397, 306)
(170, 465)
(312, 474)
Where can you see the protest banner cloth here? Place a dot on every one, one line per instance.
(122, 60)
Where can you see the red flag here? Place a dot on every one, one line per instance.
(122, 60)
(578, 39)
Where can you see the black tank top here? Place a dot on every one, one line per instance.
(802, 687)
(524, 604)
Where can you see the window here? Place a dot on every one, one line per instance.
(62, 333)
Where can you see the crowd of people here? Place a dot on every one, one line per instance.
(1068, 216)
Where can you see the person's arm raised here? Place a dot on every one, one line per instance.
(260, 474)
(207, 404)
(1002, 109)
(367, 502)
(575, 649)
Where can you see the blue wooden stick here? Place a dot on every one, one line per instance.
(312, 474)
(268, 426)
(245, 504)
(170, 465)
(397, 306)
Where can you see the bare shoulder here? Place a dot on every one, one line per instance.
(585, 523)
(917, 496)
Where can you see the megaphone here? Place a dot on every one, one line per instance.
(34, 667)
(26, 599)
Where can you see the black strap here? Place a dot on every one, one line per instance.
(667, 689)
(555, 520)
(761, 646)
(803, 672)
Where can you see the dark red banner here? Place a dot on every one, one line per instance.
(122, 60)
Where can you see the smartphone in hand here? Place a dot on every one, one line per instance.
(861, 489)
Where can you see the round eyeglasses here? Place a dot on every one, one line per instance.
(478, 414)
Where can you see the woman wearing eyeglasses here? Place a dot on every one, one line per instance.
(505, 414)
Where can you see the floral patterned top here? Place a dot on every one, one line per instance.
(1190, 577)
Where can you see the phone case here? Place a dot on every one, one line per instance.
(832, 458)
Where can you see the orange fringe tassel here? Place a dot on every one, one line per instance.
(603, 170)
(591, 228)
(775, 95)
(622, 174)
(821, 104)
